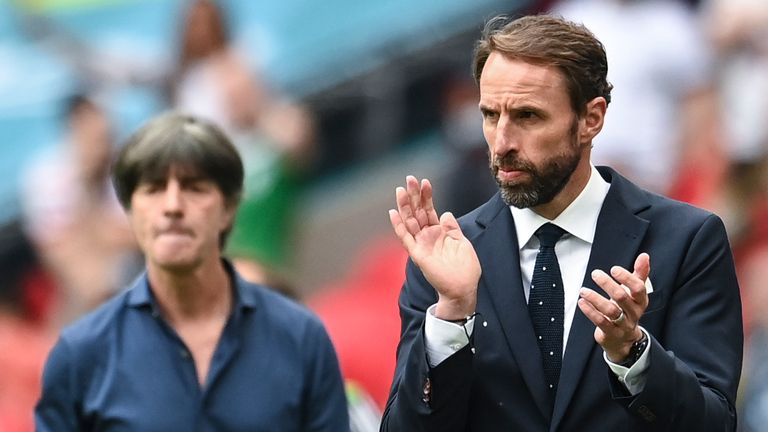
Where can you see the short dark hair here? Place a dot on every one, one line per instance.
(550, 41)
(183, 141)
(76, 102)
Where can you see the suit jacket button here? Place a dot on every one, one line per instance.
(427, 391)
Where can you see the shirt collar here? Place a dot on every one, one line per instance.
(140, 293)
(579, 218)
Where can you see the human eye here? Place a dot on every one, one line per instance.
(199, 186)
(489, 115)
(150, 187)
(527, 114)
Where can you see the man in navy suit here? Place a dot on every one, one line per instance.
(640, 347)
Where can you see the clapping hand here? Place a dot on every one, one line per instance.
(617, 318)
(438, 247)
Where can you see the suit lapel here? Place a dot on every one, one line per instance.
(497, 249)
(617, 241)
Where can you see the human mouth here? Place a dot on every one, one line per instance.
(174, 231)
(510, 174)
(510, 169)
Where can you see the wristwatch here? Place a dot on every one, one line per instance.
(637, 349)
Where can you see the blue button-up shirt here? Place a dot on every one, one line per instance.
(123, 368)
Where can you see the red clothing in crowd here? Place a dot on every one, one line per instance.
(361, 315)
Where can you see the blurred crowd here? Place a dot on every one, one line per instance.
(688, 119)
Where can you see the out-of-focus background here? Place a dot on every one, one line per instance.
(332, 104)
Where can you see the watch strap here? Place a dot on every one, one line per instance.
(637, 350)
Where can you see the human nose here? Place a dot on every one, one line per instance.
(505, 138)
(172, 200)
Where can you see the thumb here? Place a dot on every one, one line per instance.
(643, 266)
(450, 225)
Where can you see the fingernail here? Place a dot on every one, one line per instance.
(583, 292)
(615, 270)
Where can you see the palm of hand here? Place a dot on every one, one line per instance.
(447, 259)
(437, 245)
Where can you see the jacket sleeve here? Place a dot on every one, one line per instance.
(424, 398)
(326, 404)
(695, 361)
(56, 411)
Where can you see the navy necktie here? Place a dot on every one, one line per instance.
(545, 304)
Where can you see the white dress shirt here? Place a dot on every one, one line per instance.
(579, 219)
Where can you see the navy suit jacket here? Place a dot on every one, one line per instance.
(693, 317)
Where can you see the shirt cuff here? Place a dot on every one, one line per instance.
(443, 338)
(633, 378)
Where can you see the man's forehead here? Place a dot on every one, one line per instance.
(183, 172)
(522, 70)
(503, 76)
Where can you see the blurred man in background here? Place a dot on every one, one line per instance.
(72, 215)
(24, 339)
(661, 68)
(275, 137)
(191, 345)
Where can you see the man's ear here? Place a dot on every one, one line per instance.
(230, 211)
(591, 122)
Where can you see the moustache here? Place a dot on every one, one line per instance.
(510, 162)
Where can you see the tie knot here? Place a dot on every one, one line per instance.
(548, 234)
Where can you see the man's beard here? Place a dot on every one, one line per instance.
(545, 182)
